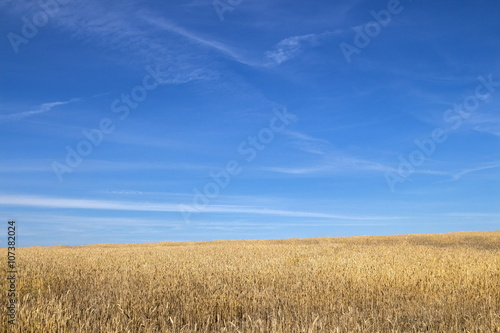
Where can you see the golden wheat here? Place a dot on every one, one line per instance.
(415, 283)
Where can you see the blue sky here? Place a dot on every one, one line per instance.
(145, 121)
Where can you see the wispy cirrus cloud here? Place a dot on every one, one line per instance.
(124, 29)
(64, 203)
(43, 165)
(321, 157)
(487, 123)
(462, 173)
(333, 165)
(290, 47)
(45, 107)
(493, 130)
(212, 44)
(308, 143)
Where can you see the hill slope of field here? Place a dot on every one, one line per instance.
(407, 283)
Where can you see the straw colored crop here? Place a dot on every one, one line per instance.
(414, 283)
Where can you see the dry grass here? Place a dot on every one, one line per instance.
(417, 283)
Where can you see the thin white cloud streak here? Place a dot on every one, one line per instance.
(331, 161)
(105, 223)
(227, 228)
(328, 160)
(212, 44)
(96, 222)
(308, 143)
(65, 203)
(91, 166)
(124, 31)
(150, 141)
(45, 107)
(297, 171)
(492, 131)
(346, 167)
(13, 167)
(487, 123)
(473, 215)
(135, 193)
(304, 137)
(100, 165)
(460, 174)
(335, 166)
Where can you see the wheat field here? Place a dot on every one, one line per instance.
(409, 283)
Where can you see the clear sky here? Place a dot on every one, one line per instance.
(145, 121)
